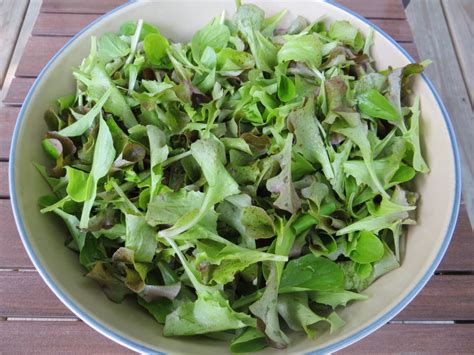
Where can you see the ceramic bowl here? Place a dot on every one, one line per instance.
(126, 323)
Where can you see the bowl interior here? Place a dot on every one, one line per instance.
(129, 324)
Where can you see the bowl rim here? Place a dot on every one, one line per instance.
(133, 345)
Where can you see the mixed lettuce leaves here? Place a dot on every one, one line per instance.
(249, 182)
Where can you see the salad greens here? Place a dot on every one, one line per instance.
(251, 181)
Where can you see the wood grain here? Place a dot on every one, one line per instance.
(38, 52)
(445, 297)
(50, 24)
(4, 180)
(460, 254)
(12, 253)
(432, 36)
(47, 337)
(416, 339)
(384, 8)
(80, 6)
(24, 294)
(8, 117)
(460, 18)
(17, 91)
(11, 15)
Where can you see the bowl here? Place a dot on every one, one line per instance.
(43, 236)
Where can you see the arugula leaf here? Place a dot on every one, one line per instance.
(104, 154)
(380, 218)
(265, 309)
(413, 138)
(158, 153)
(374, 104)
(85, 122)
(101, 83)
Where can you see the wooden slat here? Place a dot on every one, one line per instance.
(416, 339)
(383, 9)
(18, 90)
(445, 297)
(398, 29)
(460, 254)
(8, 117)
(38, 52)
(460, 18)
(11, 13)
(49, 337)
(432, 36)
(24, 294)
(80, 6)
(4, 180)
(12, 253)
(50, 24)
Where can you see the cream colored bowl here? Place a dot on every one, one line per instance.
(129, 325)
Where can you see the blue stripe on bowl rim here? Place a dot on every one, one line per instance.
(101, 328)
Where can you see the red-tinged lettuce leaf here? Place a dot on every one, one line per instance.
(114, 289)
(308, 137)
(282, 184)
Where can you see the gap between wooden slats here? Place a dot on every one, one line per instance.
(367, 8)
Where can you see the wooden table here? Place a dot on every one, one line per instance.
(32, 319)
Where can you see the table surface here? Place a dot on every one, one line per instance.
(439, 320)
